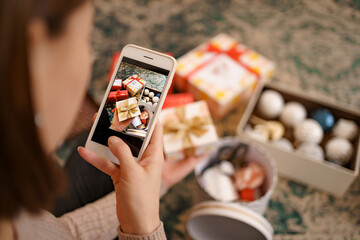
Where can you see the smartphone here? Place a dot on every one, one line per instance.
(132, 101)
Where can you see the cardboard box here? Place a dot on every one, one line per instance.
(223, 72)
(188, 131)
(323, 175)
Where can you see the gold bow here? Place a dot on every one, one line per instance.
(127, 110)
(184, 128)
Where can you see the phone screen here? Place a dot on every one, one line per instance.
(131, 104)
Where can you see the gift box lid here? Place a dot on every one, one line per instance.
(214, 220)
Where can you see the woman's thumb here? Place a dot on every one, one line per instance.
(122, 152)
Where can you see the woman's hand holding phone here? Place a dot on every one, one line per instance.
(137, 184)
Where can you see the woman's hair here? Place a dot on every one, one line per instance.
(28, 178)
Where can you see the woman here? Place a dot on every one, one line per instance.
(45, 65)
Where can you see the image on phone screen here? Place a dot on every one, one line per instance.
(131, 103)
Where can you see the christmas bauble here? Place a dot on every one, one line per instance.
(311, 150)
(346, 129)
(292, 114)
(284, 144)
(155, 99)
(146, 92)
(308, 130)
(151, 94)
(339, 150)
(324, 118)
(270, 104)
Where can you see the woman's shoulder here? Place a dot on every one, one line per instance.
(42, 225)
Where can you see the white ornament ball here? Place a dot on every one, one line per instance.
(270, 104)
(227, 167)
(146, 99)
(259, 133)
(284, 144)
(346, 129)
(308, 130)
(146, 92)
(149, 103)
(151, 94)
(311, 150)
(155, 99)
(154, 104)
(292, 114)
(339, 150)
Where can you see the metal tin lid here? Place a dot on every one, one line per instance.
(217, 221)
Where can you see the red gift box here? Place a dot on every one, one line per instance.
(117, 85)
(177, 99)
(117, 95)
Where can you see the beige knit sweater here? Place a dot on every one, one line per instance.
(96, 220)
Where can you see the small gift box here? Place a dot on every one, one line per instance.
(117, 84)
(127, 109)
(188, 131)
(117, 95)
(134, 84)
(177, 99)
(222, 72)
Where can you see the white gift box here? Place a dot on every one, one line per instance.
(174, 147)
(223, 72)
(324, 175)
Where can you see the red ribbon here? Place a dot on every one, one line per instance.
(233, 53)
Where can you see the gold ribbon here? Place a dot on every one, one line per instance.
(127, 110)
(184, 128)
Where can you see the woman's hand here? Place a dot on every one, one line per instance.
(120, 126)
(137, 185)
(175, 171)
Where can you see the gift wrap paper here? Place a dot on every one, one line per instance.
(127, 109)
(222, 72)
(134, 84)
(188, 131)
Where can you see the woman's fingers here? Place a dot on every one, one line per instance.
(123, 125)
(153, 155)
(120, 126)
(122, 152)
(174, 172)
(156, 141)
(100, 163)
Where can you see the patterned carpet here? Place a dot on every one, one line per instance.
(316, 46)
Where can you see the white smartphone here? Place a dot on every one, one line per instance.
(132, 101)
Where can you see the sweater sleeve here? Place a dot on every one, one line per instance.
(158, 234)
(96, 220)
